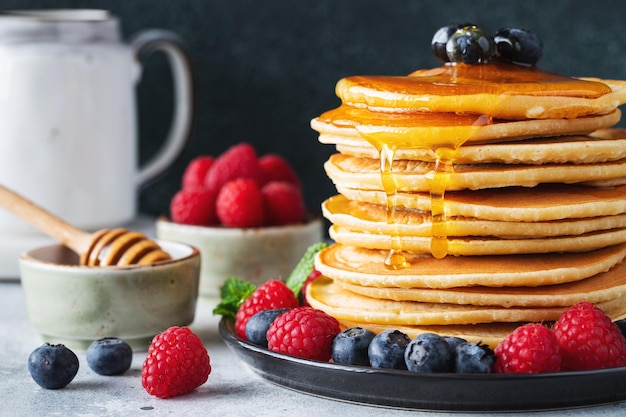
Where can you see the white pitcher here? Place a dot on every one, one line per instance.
(68, 128)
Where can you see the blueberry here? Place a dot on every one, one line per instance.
(429, 352)
(52, 366)
(386, 350)
(257, 326)
(109, 356)
(518, 45)
(473, 358)
(350, 346)
(441, 37)
(470, 45)
(454, 341)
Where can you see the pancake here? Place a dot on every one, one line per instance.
(373, 219)
(472, 199)
(580, 149)
(544, 202)
(360, 266)
(600, 288)
(482, 245)
(355, 124)
(325, 295)
(498, 90)
(411, 176)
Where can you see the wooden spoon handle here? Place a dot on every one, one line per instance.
(44, 221)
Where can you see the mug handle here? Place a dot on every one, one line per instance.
(142, 45)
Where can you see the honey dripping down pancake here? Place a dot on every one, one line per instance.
(485, 192)
(436, 112)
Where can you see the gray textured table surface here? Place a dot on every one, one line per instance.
(232, 388)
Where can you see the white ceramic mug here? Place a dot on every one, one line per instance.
(68, 128)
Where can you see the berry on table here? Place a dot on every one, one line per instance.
(177, 363)
(109, 356)
(350, 346)
(473, 358)
(194, 206)
(196, 171)
(428, 352)
(257, 326)
(386, 350)
(52, 366)
(531, 348)
(282, 203)
(240, 204)
(271, 295)
(589, 339)
(303, 332)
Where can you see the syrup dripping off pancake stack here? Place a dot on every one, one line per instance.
(473, 198)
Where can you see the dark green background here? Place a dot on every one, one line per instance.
(264, 69)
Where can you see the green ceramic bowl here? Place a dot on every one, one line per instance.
(255, 254)
(75, 305)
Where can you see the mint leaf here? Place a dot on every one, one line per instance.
(233, 293)
(301, 272)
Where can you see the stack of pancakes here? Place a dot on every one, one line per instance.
(473, 198)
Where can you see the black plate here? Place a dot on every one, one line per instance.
(443, 392)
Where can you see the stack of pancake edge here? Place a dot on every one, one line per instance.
(472, 199)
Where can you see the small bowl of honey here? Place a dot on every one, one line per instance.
(75, 304)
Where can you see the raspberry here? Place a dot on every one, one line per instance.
(283, 203)
(177, 363)
(589, 339)
(240, 204)
(531, 348)
(195, 205)
(196, 171)
(272, 295)
(276, 168)
(303, 332)
(239, 161)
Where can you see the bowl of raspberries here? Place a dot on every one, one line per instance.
(246, 215)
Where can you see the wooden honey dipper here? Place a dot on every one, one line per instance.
(103, 248)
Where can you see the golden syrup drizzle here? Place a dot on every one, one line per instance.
(395, 258)
(399, 127)
(453, 80)
(439, 179)
(387, 134)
